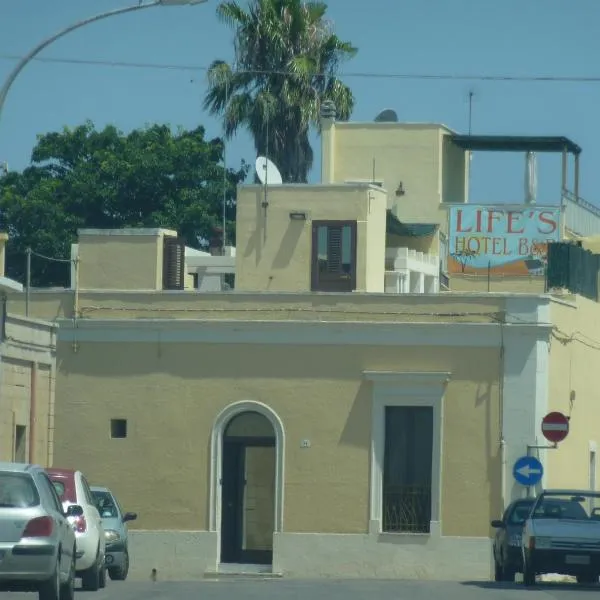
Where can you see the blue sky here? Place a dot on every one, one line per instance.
(450, 37)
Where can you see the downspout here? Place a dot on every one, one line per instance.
(32, 412)
(75, 345)
(501, 411)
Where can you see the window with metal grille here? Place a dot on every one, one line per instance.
(407, 469)
(173, 263)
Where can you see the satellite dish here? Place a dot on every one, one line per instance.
(387, 116)
(267, 172)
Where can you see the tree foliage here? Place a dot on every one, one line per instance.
(287, 59)
(84, 178)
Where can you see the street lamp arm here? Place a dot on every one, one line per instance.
(31, 55)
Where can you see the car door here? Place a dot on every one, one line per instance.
(500, 542)
(92, 509)
(67, 537)
(124, 527)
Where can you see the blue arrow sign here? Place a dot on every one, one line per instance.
(528, 470)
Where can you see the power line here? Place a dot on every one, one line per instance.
(349, 74)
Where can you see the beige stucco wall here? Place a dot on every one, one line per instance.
(58, 304)
(171, 395)
(122, 259)
(274, 254)
(411, 153)
(27, 388)
(574, 361)
(455, 172)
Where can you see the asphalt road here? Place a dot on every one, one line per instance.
(328, 590)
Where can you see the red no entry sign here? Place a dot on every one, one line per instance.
(555, 427)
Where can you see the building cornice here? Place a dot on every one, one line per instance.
(299, 333)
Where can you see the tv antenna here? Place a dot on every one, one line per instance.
(388, 115)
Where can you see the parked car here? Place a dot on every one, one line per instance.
(37, 542)
(562, 535)
(508, 557)
(74, 490)
(116, 532)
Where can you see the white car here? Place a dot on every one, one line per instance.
(562, 535)
(37, 543)
(73, 489)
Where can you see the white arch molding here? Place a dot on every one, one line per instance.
(216, 463)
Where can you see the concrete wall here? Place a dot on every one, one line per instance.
(121, 259)
(274, 251)
(574, 360)
(27, 390)
(495, 283)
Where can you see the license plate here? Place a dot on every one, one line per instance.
(577, 559)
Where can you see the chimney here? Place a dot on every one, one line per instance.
(3, 240)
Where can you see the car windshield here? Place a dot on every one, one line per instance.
(106, 505)
(17, 490)
(575, 506)
(520, 512)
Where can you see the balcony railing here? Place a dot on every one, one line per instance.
(580, 217)
(406, 509)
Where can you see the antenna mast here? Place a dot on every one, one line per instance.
(471, 94)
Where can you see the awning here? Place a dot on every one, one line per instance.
(395, 227)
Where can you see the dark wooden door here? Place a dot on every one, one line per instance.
(232, 502)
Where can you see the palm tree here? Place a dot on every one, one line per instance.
(286, 64)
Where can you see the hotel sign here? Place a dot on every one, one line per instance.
(504, 240)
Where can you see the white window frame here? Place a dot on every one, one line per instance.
(391, 388)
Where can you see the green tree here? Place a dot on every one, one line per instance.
(82, 177)
(287, 59)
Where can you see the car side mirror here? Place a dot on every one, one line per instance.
(129, 516)
(74, 510)
(497, 524)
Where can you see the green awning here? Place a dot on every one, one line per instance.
(395, 227)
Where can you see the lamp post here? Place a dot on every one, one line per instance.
(119, 11)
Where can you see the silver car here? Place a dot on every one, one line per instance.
(37, 543)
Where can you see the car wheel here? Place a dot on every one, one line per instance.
(102, 577)
(497, 571)
(509, 574)
(68, 590)
(528, 574)
(50, 589)
(90, 579)
(120, 573)
(587, 578)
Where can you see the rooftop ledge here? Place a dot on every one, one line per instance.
(10, 285)
(317, 186)
(300, 296)
(128, 231)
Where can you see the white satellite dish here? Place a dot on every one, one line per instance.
(387, 116)
(267, 171)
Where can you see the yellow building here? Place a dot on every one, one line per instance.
(27, 378)
(425, 168)
(314, 421)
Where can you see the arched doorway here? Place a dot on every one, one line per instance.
(248, 489)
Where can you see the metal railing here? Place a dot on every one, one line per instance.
(406, 509)
(581, 217)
